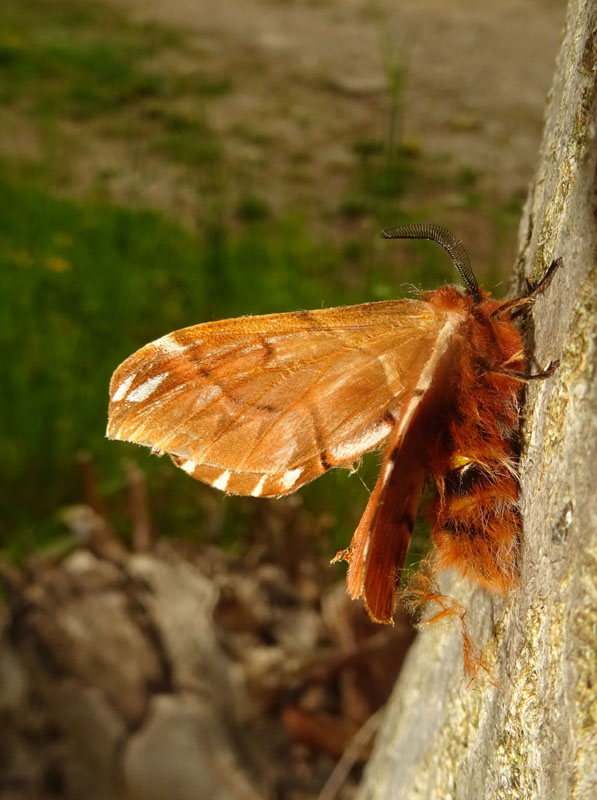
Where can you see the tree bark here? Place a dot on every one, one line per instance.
(532, 735)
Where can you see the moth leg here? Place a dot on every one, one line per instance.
(422, 591)
(520, 304)
(529, 376)
(535, 288)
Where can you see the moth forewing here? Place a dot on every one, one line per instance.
(262, 405)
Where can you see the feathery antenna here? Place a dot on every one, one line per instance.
(448, 241)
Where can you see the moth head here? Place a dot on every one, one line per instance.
(451, 244)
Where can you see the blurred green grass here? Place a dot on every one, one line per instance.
(58, 53)
(85, 283)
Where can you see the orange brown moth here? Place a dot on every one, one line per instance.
(262, 405)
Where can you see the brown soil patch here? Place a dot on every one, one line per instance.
(310, 80)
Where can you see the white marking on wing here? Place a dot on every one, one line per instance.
(290, 478)
(189, 466)
(410, 410)
(387, 472)
(221, 482)
(364, 560)
(205, 396)
(146, 388)
(283, 454)
(123, 388)
(259, 488)
(169, 346)
(389, 369)
(453, 320)
(360, 444)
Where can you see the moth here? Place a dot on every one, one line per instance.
(262, 405)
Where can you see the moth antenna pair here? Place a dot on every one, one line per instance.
(451, 244)
(460, 258)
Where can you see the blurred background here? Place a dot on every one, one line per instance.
(169, 162)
